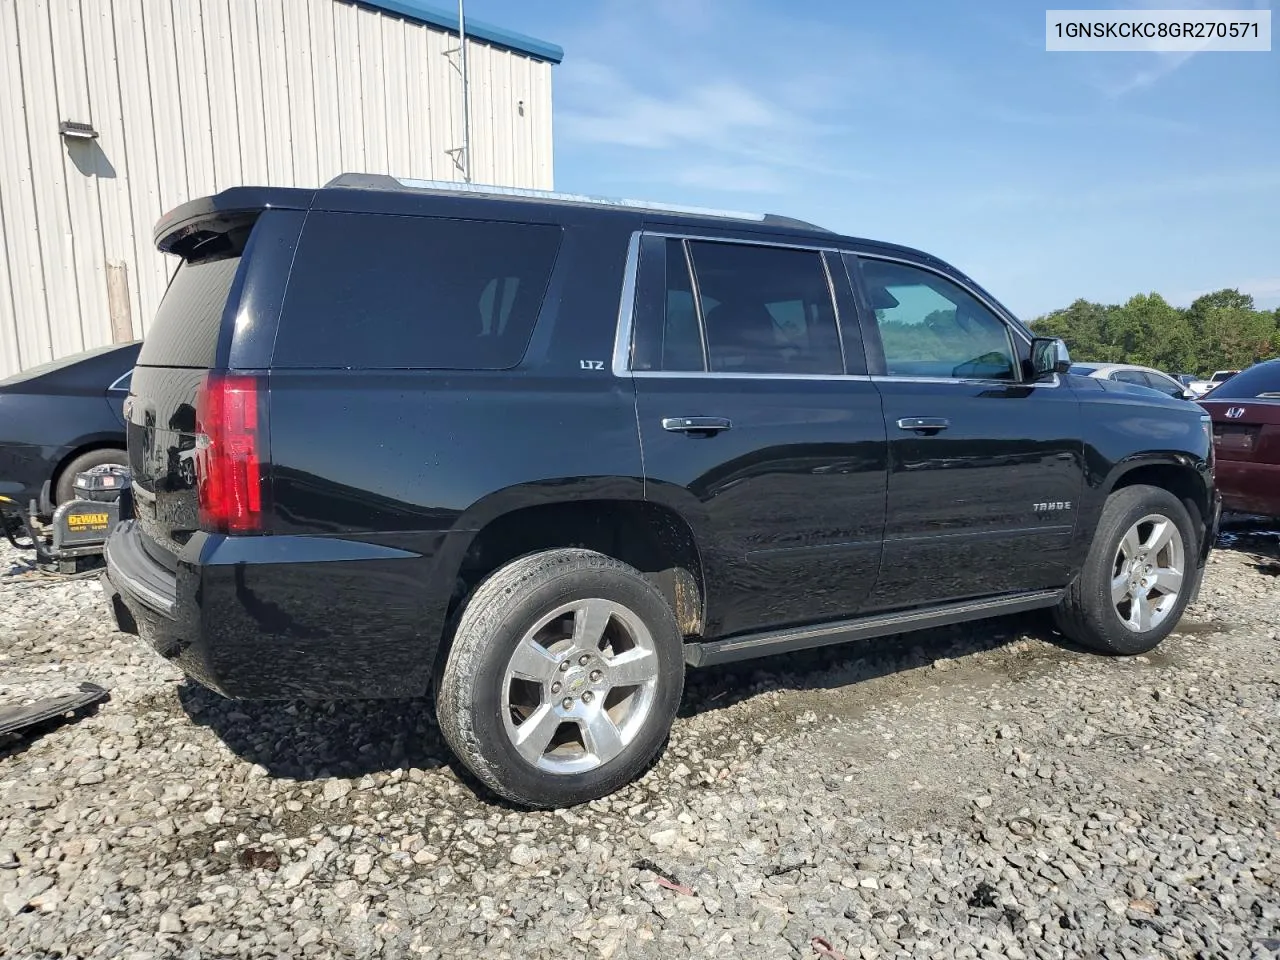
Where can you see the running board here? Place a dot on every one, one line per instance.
(752, 645)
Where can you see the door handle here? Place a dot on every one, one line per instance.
(924, 424)
(696, 426)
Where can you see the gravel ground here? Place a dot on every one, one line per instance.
(982, 791)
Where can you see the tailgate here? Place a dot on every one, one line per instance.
(1247, 430)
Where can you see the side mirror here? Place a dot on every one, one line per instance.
(1189, 395)
(1048, 356)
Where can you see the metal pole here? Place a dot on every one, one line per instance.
(466, 97)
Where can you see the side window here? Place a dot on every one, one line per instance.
(765, 309)
(667, 335)
(1135, 377)
(380, 292)
(931, 327)
(123, 383)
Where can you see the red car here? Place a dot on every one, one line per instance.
(1246, 439)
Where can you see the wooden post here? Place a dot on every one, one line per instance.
(118, 302)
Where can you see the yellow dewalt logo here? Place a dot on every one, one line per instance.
(80, 520)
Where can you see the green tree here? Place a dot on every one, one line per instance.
(1236, 338)
(1220, 330)
(1080, 325)
(1148, 330)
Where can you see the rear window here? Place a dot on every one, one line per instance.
(378, 292)
(185, 330)
(1261, 381)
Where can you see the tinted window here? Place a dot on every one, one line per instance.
(764, 309)
(1164, 384)
(1136, 377)
(380, 292)
(185, 330)
(931, 327)
(667, 335)
(1082, 369)
(1262, 380)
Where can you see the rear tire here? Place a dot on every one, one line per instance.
(563, 678)
(1137, 577)
(65, 489)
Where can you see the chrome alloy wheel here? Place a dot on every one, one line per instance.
(1148, 573)
(579, 686)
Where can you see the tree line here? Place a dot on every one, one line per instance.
(1219, 331)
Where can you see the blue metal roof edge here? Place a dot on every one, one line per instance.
(436, 17)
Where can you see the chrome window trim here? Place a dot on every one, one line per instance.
(115, 385)
(719, 375)
(1040, 384)
(626, 317)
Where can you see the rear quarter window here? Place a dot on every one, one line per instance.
(185, 330)
(374, 291)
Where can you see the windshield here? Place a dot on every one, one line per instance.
(1258, 382)
(1083, 369)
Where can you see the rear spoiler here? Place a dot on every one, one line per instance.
(207, 226)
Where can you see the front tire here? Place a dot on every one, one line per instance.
(1138, 575)
(563, 678)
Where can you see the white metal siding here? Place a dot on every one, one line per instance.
(192, 97)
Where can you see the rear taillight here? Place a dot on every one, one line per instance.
(230, 450)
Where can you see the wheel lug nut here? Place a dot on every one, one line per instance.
(588, 696)
(564, 666)
(584, 659)
(596, 676)
(567, 702)
(555, 687)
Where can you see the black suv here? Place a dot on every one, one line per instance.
(537, 454)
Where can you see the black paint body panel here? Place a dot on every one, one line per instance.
(812, 508)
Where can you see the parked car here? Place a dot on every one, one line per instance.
(59, 419)
(1219, 377)
(1135, 376)
(1246, 439)
(541, 453)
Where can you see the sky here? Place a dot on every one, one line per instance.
(935, 123)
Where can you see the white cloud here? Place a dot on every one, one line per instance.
(1166, 64)
(715, 114)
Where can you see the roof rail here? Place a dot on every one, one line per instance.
(372, 181)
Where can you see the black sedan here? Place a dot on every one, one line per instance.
(59, 419)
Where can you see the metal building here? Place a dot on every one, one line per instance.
(114, 111)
